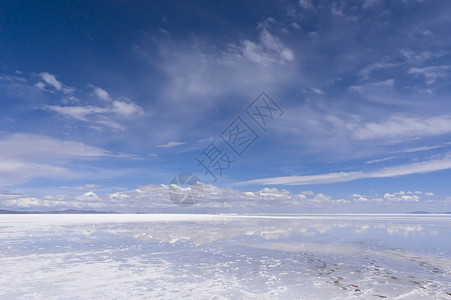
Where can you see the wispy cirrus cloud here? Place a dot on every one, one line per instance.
(373, 86)
(378, 66)
(171, 144)
(374, 161)
(202, 72)
(404, 126)
(29, 156)
(306, 4)
(430, 73)
(269, 50)
(388, 172)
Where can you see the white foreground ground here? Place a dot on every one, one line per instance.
(225, 257)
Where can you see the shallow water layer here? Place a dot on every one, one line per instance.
(223, 257)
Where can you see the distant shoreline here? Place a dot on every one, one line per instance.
(75, 211)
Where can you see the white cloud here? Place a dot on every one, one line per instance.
(317, 91)
(309, 193)
(88, 186)
(105, 121)
(359, 198)
(422, 148)
(171, 144)
(431, 73)
(401, 197)
(274, 192)
(40, 85)
(214, 199)
(336, 10)
(199, 74)
(28, 156)
(401, 170)
(101, 93)
(270, 50)
(23, 202)
(50, 80)
(373, 86)
(12, 78)
(420, 57)
(126, 109)
(380, 160)
(77, 112)
(14, 171)
(104, 115)
(155, 198)
(307, 179)
(370, 3)
(402, 126)
(306, 4)
(366, 71)
(31, 146)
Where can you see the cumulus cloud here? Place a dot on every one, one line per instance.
(401, 197)
(359, 198)
(152, 198)
(155, 198)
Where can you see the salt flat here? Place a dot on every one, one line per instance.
(225, 256)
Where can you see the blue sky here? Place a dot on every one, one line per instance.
(103, 103)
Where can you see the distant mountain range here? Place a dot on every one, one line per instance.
(76, 211)
(426, 213)
(67, 211)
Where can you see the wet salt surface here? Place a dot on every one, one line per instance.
(222, 257)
